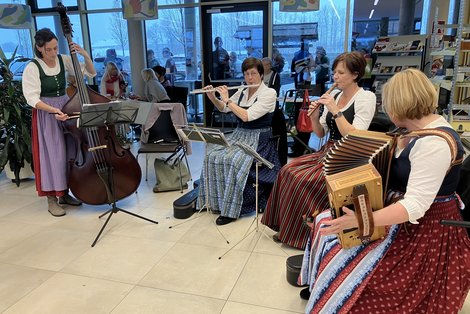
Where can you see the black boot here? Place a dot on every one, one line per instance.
(305, 293)
(222, 220)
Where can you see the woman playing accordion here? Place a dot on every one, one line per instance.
(420, 266)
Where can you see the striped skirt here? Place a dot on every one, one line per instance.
(299, 190)
(230, 170)
(49, 150)
(419, 268)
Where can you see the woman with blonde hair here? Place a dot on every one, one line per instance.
(113, 84)
(421, 266)
(153, 90)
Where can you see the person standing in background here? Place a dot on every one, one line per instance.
(271, 78)
(220, 60)
(151, 60)
(300, 66)
(322, 68)
(278, 61)
(44, 85)
(170, 65)
(235, 66)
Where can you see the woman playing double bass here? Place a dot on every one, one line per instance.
(44, 89)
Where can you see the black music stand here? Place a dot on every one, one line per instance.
(207, 136)
(99, 115)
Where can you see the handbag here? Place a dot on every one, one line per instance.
(304, 124)
(169, 177)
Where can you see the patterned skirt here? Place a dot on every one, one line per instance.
(230, 172)
(49, 150)
(417, 268)
(299, 190)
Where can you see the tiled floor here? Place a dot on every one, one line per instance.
(48, 266)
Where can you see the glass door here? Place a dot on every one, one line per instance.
(231, 33)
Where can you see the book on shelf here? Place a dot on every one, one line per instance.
(386, 69)
(377, 67)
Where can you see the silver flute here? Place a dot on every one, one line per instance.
(202, 90)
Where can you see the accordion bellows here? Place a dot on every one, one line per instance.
(359, 158)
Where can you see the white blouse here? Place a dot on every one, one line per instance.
(31, 79)
(430, 159)
(261, 102)
(364, 109)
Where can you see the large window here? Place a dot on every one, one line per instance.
(330, 25)
(101, 4)
(53, 22)
(176, 30)
(109, 42)
(45, 4)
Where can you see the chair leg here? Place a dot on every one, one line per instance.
(181, 175)
(146, 166)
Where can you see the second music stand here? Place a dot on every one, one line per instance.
(259, 161)
(107, 114)
(207, 136)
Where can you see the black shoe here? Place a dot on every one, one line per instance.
(69, 200)
(305, 293)
(221, 220)
(276, 238)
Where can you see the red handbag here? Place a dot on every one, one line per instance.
(304, 123)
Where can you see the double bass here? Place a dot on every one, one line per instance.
(102, 171)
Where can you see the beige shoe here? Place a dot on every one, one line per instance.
(54, 207)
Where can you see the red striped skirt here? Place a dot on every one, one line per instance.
(426, 269)
(299, 190)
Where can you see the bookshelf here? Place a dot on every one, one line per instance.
(393, 54)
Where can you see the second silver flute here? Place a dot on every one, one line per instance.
(199, 91)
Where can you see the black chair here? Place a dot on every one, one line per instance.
(163, 139)
(178, 94)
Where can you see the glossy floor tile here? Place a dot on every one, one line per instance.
(47, 264)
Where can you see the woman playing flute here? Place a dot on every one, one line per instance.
(230, 170)
(300, 188)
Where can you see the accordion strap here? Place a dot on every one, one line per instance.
(446, 136)
(363, 212)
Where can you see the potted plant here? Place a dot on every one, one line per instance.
(15, 120)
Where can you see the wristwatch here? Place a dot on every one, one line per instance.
(337, 115)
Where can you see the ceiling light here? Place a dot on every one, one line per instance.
(371, 13)
(375, 2)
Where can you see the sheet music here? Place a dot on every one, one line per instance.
(250, 151)
(111, 112)
(200, 134)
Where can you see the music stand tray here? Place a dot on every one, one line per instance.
(99, 115)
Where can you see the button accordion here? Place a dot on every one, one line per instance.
(356, 172)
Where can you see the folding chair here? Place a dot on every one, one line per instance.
(163, 139)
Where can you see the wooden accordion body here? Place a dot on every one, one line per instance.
(360, 159)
